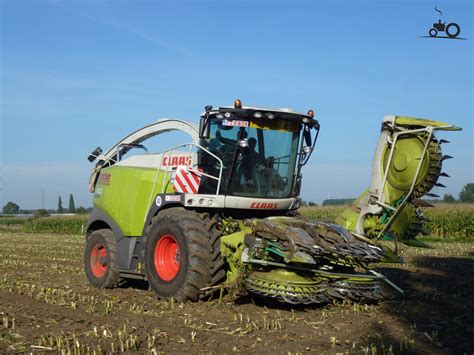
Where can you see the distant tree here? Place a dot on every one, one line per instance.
(41, 213)
(448, 198)
(467, 193)
(81, 210)
(338, 201)
(60, 205)
(72, 208)
(311, 203)
(89, 209)
(11, 208)
(432, 200)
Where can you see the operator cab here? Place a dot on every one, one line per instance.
(262, 150)
(239, 158)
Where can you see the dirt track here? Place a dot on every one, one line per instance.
(46, 305)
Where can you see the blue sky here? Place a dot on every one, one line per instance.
(78, 74)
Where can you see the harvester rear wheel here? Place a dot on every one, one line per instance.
(182, 254)
(100, 259)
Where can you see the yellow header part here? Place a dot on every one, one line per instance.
(412, 121)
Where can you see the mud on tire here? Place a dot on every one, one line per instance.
(100, 259)
(182, 254)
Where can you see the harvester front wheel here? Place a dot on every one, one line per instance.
(182, 254)
(100, 259)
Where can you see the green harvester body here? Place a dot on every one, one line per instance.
(220, 212)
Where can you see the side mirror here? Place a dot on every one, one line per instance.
(204, 128)
(204, 124)
(94, 154)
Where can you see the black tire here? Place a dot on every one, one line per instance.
(455, 34)
(100, 259)
(433, 32)
(197, 262)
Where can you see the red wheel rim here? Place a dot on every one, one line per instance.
(167, 257)
(99, 260)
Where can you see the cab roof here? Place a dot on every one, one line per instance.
(249, 110)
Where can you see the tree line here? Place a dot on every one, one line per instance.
(466, 196)
(13, 208)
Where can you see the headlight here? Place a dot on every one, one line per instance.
(257, 114)
(243, 143)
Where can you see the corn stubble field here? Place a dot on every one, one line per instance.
(46, 304)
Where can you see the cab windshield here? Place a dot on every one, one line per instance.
(258, 158)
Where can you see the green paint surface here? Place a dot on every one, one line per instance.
(125, 195)
(412, 121)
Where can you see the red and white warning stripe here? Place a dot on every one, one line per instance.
(187, 180)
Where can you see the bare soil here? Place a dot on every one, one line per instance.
(47, 305)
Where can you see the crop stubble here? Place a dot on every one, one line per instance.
(46, 304)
